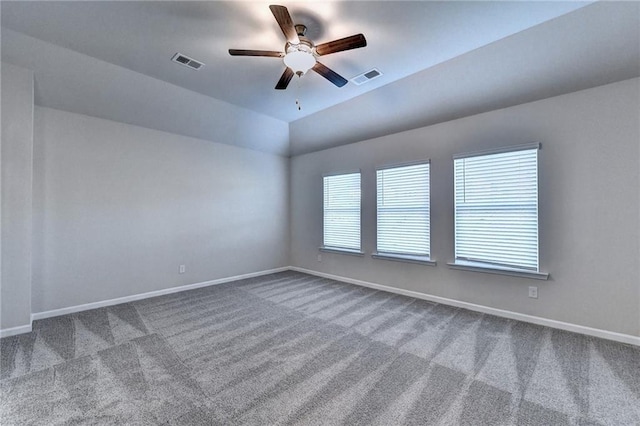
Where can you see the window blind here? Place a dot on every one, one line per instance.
(403, 210)
(496, 209)
(342, 211)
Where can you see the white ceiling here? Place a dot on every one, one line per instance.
(441, 61)
(403, 38)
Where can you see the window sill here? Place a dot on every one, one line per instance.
(342, 251)
(423, 260)
(491, 269)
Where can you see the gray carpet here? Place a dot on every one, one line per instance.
(292, 349)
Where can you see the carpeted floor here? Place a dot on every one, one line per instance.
(290, 348)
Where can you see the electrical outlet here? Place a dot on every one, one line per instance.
(319, 258)
(182, 269)
(533, 292)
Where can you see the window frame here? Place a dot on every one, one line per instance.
(336, 249)
(424, 259)
(489, 267)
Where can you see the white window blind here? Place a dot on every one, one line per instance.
(342, 211)
(403, 210)
(496, 209)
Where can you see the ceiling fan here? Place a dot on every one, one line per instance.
(300, 54)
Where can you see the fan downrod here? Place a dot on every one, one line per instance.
(300, 29)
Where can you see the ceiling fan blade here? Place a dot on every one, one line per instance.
(347, 43)
(329, 74)
(286, 77)
(286, 24)
(244, 52)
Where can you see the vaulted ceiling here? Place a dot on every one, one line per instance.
(500, 50)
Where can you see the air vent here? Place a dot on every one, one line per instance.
(366, 76)
(187, 61)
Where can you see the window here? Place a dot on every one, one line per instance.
(496, 209)
(342, 212)
(403, 211)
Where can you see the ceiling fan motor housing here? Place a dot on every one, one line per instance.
(304, 45)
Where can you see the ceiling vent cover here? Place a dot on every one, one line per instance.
(187, 61)
(366, 76)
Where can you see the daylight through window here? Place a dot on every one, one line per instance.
(403, 210)
(496, 209)
(342, 212)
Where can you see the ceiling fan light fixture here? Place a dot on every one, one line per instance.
(300, 59)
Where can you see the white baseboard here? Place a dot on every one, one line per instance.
(15, 330)
(604, 334)
(134, 297)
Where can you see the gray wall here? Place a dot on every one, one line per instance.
(16, 200)
(117, 208)
(589, 207)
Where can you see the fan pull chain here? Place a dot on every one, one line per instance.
(298, 104)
